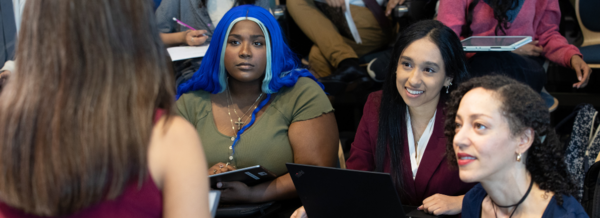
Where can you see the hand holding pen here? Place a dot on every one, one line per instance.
(193, 37)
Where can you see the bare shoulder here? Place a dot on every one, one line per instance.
(173, 129)
(178, 167)
(174, 142)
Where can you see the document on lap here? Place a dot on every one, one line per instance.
(187, 52)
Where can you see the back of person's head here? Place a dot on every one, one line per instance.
(392, 108)
(77, 113)
(281, 67)
(523, 109)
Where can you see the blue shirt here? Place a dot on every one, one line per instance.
(569, 208)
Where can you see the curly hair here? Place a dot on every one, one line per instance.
(523, 108)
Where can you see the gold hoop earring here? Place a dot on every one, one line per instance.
(519, 157)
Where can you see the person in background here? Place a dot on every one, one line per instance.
(87, 125)
(536, 18)
(401, 131)
(202, 15)
(252, 105)
(499, 134)
(10, 12)
(333, 57)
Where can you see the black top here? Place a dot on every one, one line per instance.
(569, 208)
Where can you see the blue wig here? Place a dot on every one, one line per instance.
(282, 64)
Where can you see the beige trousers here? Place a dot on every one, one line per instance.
(330, 48)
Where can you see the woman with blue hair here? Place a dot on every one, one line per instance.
(252, 106)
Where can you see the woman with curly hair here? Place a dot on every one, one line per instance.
(498, 133)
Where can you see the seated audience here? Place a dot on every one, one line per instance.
(251, 105)
(536, 18)
(499, 134)
(10, 12)
(202, 15)
(401, 130)
(334, 51)
(87, 126)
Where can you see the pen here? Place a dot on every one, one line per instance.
(183, 24)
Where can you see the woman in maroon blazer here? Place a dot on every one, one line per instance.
(402, 127)
(427, 62)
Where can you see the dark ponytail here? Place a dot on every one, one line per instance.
(500, 7)
(466, 29)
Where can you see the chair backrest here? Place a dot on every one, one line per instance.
(587, 16)
(591, 192)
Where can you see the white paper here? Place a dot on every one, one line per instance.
(187, 52)
(351, 24)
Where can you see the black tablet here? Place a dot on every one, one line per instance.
(250, 176)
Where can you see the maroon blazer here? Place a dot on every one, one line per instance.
(434, 174)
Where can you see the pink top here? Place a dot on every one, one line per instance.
(536, 18)
(144, 201)
(434, 174)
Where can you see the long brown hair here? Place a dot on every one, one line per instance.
(77, 114)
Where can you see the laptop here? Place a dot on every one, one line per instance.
(332, 192)
(494, 43)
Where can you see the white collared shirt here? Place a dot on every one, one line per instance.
(416, 156)
(18, 6)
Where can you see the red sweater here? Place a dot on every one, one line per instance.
(145, 201)
(536, 18)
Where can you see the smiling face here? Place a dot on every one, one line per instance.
(484, 145)
(246, 52)
(421, 74)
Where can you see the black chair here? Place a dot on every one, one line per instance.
(587, 16)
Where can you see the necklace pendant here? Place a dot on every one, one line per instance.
(239, 123)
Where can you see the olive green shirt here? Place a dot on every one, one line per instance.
(265, 143)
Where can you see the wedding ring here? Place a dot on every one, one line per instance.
(226, 165)
(220, 166)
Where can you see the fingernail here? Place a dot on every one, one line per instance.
(579, 78)
(219, 184)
